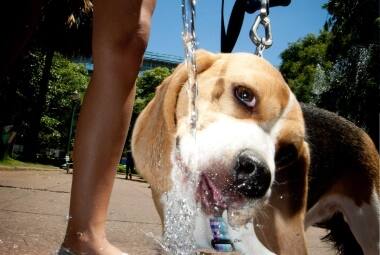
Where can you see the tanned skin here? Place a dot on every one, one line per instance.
(120, 35)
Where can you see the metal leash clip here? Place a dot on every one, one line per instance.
(264, 42)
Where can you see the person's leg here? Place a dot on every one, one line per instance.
(120, 35)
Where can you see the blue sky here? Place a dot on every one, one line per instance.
(288, 24)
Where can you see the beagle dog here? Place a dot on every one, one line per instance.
(247, 161)
(343, 194)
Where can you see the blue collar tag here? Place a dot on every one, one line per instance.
(221, 240)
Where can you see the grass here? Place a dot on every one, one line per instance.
(10, 162)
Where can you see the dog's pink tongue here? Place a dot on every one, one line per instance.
(210, 197)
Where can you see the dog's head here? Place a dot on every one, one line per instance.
(249, 124)
(249, 127)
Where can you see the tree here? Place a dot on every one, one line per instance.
(19, 91)
(345, 79)
(302, 62)
(146, 86)
(352, 23)
(44, 26)
(64, 27)
(21, 94)
(354, 82)
(67, 84)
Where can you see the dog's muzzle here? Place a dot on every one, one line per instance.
(252, 175)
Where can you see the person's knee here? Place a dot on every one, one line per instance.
(124, 34)
(138, 40)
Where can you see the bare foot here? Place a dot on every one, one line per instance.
(83, 244)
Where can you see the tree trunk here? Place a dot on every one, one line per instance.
(32, 142)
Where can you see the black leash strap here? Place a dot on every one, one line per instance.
(229, 37)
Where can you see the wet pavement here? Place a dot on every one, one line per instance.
(34, 208)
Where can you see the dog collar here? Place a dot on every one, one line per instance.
(221, 240)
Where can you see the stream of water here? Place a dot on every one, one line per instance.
(180, 205)
(190, 46)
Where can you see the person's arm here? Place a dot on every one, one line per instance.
(120, 35)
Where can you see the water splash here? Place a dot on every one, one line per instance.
(156, 239)
(319, 83)
(190, 46)
(180, 205)
(179, 224)
(344, 71)
(180, 211)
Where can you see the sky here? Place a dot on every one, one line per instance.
(289, 24)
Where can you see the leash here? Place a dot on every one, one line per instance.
(229, 37)
(262, 19)
(221, 240)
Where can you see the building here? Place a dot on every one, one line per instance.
(151, 60)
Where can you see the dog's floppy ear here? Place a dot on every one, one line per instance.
(173, 85)
(292, 158)
(290, 136)
(153, 134)
(283, 218)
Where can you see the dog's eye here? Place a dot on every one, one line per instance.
(245, 96)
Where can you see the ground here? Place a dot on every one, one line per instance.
(34, 208)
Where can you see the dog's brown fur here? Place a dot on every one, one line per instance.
(153, 139)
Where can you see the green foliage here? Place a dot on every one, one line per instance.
(354, 83)
(339, 69)
(67, 82)
(50, 134)
(301, 61)
(20, 94)
(10, 163)
(352, 88)
(121, 169)
(352, 22)
(19, 90)
(146, 85)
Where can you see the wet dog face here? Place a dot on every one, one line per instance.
(242, 104)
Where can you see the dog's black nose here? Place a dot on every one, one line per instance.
(252, 175)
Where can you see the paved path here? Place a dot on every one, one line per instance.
(34, 206)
